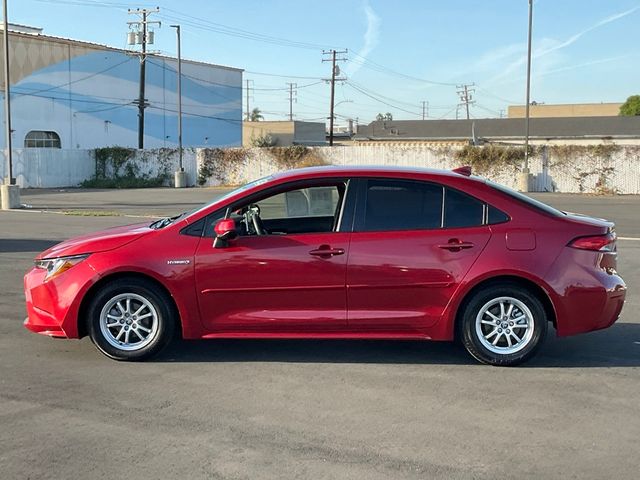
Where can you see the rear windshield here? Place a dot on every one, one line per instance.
(532, 202)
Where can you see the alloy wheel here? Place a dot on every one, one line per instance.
(504, 325)
(129, 322)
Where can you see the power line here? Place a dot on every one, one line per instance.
(494, 112)
(350, 84)
(113, 107)
(211, 117)
(367, 63)
(211, 82)
(296, 77)
(67, 99)
(379, 95)
(237, 32)
(87, 3)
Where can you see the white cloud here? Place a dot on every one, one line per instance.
(370, 40)
(549, 46)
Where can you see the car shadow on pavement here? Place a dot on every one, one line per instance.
(314, 351)
(614, 347)
(617, 346)
(17, 245)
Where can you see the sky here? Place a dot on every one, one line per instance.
(400, 53)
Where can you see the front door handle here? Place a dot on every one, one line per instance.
(455, 245)
(326, 251)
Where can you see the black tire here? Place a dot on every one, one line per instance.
(502, 354)
(141, 293)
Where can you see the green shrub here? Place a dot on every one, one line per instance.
(117, 167)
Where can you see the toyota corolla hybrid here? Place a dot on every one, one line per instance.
(333, 252)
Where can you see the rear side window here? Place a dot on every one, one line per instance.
(402, 205)
(462, 210)
(496, 216)
(531, 202)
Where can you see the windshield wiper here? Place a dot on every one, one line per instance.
(163, 222)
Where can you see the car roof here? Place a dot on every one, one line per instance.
(367, 171)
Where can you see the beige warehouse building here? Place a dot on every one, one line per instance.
(566, 110)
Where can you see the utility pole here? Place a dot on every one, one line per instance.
(142, 36)
(292, 86)
(180, 178)
(335, 72)
(425, 109)
(7, 95)
(464, 91)
(524, 181)
(10, 191)
(247, 92)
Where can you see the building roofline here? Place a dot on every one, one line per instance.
(565, 104)
(116, 49)
(485, 137)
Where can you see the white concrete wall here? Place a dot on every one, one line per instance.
(49, 167)
(64, 168)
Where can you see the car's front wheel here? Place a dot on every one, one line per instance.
(130, 319)
(503, 325)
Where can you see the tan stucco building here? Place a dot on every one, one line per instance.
(566, 110)
(284, 133)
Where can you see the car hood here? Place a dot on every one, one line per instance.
(97, 242)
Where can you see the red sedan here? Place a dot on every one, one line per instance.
(332, 252)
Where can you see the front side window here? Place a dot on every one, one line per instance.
(42, 139)
(304, 202)
(402, 205)
(314, 209)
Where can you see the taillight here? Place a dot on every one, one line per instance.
(596, 243)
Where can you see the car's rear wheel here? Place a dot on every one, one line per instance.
(130, 319)
(503, 325)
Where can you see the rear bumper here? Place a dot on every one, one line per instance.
(587, 296)
(589, 309)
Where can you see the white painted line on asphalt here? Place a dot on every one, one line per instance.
(634, 239)
(73, 214)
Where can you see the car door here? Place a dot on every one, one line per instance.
(291, 280)
(413, 242)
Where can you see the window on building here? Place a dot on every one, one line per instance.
(42, 139)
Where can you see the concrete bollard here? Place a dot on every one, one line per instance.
(180, 179)
(524, 181)
(10, 197)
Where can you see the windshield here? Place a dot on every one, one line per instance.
(233, 192)
(532, 202)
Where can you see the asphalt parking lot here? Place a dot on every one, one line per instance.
(306, 409)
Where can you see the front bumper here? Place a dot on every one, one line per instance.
(53, 305)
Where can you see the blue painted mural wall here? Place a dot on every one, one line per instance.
(88, 100)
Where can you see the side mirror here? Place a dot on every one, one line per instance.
(225, 231)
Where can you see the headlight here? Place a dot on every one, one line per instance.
(56, 266)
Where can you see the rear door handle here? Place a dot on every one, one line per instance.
(456, 245)
(326, 251)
